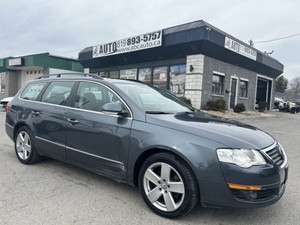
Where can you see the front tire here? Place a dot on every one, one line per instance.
(25, 146)
(168, 186)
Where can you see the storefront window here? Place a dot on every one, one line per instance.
(244, 89)
(114, 74)
(145, 75)
(2, 82)
(218, 85)
(103, 74)
(177, 79)
(160, 76)
(128, 74)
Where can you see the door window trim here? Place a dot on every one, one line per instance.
(71, 102)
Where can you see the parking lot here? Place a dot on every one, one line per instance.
(52, 192)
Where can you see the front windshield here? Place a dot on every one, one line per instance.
(153, 100)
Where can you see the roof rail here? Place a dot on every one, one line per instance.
(69, 75)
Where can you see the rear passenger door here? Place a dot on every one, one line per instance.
(50, 119)
(95, 139)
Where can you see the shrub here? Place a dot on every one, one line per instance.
(185, 99)
(262, 106)
(240, 107)
(221, 105)
(216, 105)
(211, 105)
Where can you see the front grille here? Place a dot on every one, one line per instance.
(276, 155)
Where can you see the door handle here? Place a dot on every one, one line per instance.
(35, 113)
(73, 121)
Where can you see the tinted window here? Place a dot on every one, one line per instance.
(243, 89)
(128, 74)
(58, 92)
(160, 76)
(218, 85)
(177, 79)
(32, 91)
(145, 75)
(91, 96)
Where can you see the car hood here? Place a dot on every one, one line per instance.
(227, 132)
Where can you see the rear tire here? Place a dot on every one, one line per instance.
(168, 185)
(25, 146)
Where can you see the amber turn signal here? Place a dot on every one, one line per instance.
(242, 187)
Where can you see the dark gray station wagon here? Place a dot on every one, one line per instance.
(144, 136)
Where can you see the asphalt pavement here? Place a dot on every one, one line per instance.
(52, 192)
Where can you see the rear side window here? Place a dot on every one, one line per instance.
(58, 92)
(32, 91)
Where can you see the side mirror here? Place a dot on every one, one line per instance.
(113, 109)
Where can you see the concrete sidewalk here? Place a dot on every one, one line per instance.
(248, 114)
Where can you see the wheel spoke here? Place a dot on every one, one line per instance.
(24, 156)
(177, 187)
(151, 176)
(165, 171)
(21, 137)
(26, 138)
(154, 194)
(169, 201)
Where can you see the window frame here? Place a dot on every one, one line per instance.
(223, 84)
(246, 88)
(75, 91)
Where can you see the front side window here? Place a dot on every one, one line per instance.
(58, 93)
(243, 89)
(218, 85)
(160, 77)
(92, 96)
(32, 91)
(177, 79)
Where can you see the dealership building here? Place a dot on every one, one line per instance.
(16, 71)
(195, 60)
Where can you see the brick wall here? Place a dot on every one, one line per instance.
(193, 81)
(211, 65)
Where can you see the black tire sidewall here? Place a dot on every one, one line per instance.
(188, 180)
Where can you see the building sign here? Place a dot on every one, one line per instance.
(15, 62)
(136, 43)
(240, 48)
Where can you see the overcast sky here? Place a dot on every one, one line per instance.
(66, 27)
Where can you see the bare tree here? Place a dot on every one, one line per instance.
(295, 85)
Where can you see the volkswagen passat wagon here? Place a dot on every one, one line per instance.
(144, 136)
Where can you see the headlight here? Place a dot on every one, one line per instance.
(242, 157)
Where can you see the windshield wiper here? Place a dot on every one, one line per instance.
(158, 112)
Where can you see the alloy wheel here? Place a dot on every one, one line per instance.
(164, 187)
(23, 145)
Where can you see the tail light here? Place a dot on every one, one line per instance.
(7, 105)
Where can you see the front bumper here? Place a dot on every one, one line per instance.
(270, 178)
